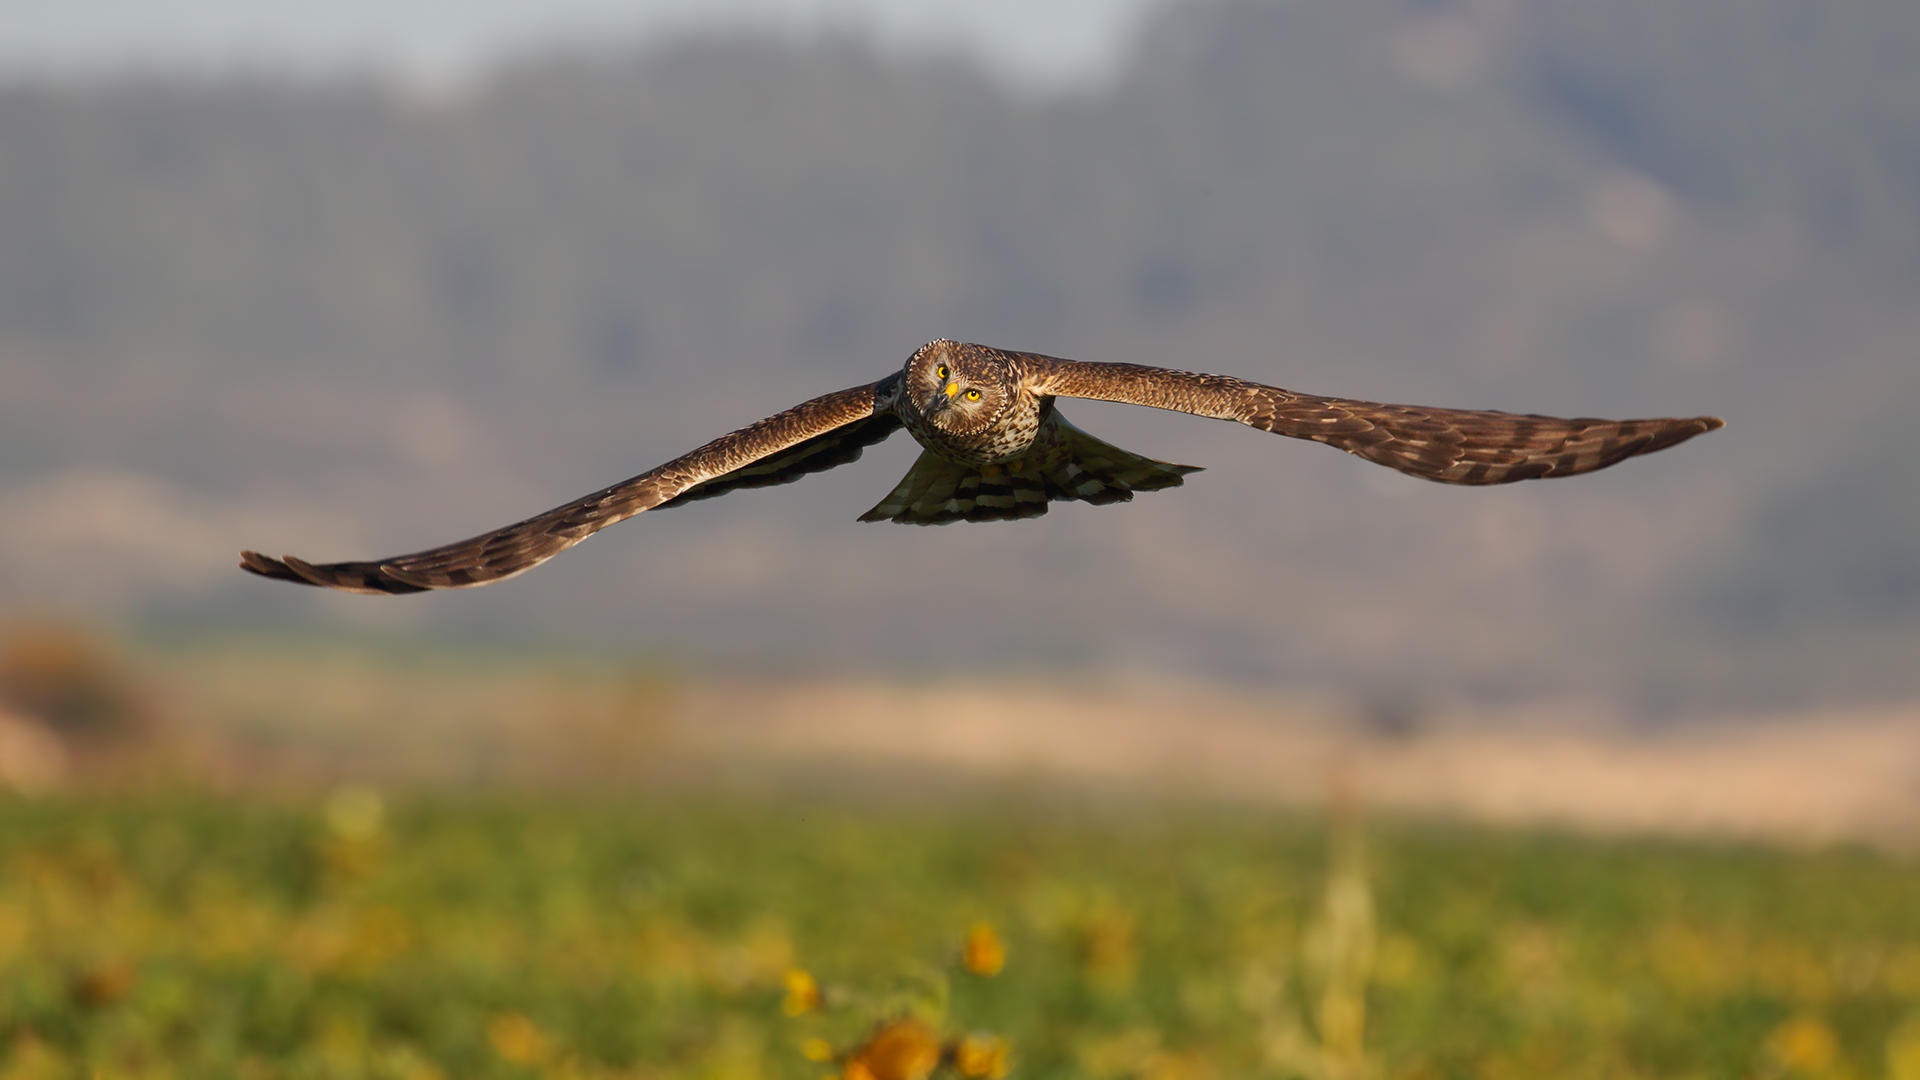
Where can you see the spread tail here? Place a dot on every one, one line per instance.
(1065, 465)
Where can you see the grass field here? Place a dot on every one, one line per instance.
(520, 936)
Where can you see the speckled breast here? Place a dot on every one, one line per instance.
(1010, 435)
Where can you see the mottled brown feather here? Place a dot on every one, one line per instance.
(1452, 446)
(816, 435)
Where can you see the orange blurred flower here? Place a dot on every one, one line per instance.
(102, 985)
(983, 954)
(904, 1049)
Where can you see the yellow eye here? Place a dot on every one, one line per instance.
(973, 395)
(940, 372)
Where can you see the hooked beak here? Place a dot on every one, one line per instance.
(952, 389)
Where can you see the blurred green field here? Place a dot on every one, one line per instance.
(523, 935)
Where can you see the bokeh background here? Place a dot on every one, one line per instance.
(349, 279)
(335, 302)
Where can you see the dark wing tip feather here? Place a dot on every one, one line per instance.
(267, 567)
(1666, 433)
(1680, 431)
(351, 577)
(1599, 444)
(348, 577)
(1700, 425)
(1453, 446)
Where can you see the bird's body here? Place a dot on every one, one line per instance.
(995, 447)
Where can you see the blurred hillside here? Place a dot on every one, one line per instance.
(345, 319)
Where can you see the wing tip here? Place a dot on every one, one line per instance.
(313, 575)
(267, 566)
(1679, 431)
(300, 572)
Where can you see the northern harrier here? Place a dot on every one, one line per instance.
(996, 447)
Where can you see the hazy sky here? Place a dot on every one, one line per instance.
(1045, 40)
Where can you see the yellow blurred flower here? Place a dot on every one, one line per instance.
(983, 954)
(904, 1049)
(981, 1057)
(816, 1049)
(1108, 949)
(1804, 1044)
(355, 813)
(1903, 1051)
(1183, 1067)
(803, 993)
(354, 838)
(515, 1038)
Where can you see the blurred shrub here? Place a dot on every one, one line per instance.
(73, 681)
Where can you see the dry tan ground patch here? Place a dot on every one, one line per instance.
(1811, 777)
(270, 715)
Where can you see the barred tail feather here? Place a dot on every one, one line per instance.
(1067, 465)
(1094, 471)
(937, 491)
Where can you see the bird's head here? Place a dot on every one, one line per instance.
(959, 388)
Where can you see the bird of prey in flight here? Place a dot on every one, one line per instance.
(996, 447)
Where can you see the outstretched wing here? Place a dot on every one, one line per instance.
(1452, 446)
(810, 437)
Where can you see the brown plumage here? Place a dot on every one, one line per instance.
(997, 448)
